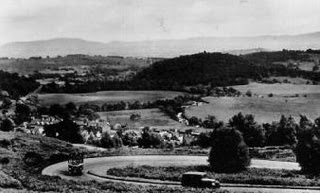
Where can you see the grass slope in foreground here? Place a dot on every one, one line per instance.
(250, 176)
(17, 177)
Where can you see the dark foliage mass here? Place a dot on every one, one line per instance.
(16, 85)
(65, 130)
(6, 125)
(228, 153)
(110, 142)
(283, 132)
(23, 113)
(32, 158)
(252, 132)
(215, 68)
(270, 57)
(308, 148)
(266, 60)
(150, 139)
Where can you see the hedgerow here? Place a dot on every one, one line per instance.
(250, 176)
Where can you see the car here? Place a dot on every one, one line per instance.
(198, 180)
(75, 164)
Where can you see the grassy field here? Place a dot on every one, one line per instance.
(149, 117)
(102, 97)
(279, 89)
(265, 109)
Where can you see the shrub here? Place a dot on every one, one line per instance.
(253, 133)
(150, 139)
(5, 143)
(308, 149)
(249, 93)
(204, 140)
(22, 112)
(228, 153)
(67, 130)
(130, 139)
(117, 141)
(32, 158)
(135, 116)
(4, 160)
(106, 141)
(270, 95)
(7, 125)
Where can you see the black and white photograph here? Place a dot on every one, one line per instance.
(160, 96)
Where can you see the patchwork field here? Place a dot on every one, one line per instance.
(296, 80)
(149, 117)
(266, 109)
(302, 65)
(279, 89)
(100, 98)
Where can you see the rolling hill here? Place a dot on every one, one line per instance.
(203, 68)
(159, 48)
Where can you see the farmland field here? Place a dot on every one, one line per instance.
(149, 117)
(102, 97)
(265, 109)
(279, 89)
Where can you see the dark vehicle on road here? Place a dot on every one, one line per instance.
(75, 164)
(199, 180)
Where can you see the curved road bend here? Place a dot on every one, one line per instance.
(101, 165)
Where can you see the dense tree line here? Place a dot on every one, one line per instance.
(16, 85)
(284, 132)
(203, 68)
(277, 56)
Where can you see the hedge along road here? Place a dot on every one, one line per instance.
(99, 167)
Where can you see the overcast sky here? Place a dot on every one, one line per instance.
(132, 20)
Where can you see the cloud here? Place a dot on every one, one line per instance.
(130, 20)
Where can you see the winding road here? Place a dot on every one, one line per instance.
(99, 167)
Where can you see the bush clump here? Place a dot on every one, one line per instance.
(32, 158)
(228, 153)
(4, 161)
(308, 149)
(5, 143)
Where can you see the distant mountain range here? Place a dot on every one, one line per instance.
(161, 48)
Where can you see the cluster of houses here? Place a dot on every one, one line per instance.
(93, 130)
(36, 125)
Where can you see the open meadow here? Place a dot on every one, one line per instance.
(154, 118)
(279, 89)
(287, 99)
(149, 117)
(99, 98)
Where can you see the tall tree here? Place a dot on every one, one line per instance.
(253, 133)
(22, 113)
(228, 153)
